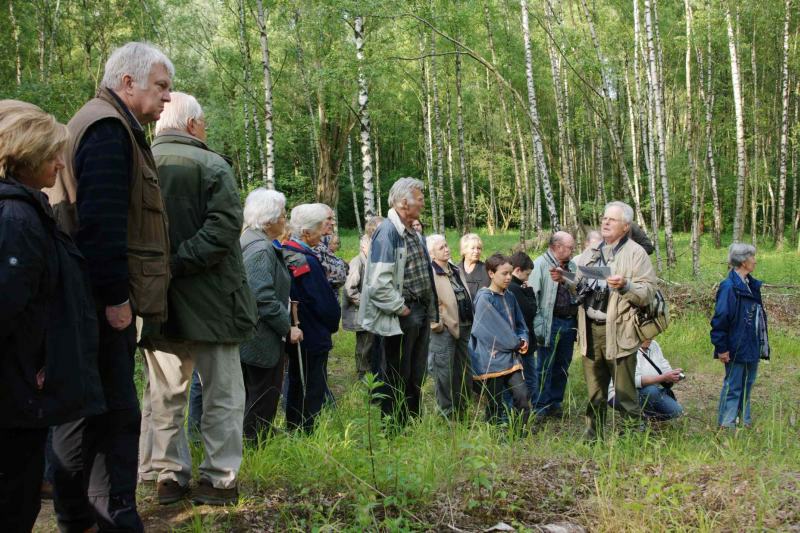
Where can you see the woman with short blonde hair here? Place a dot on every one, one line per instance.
(48, 328)
(472, 269)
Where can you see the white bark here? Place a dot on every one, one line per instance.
(437, 132)
(363, 114)
(269, 182)
(428, 143)
(780, 226)
(245, 50)
(462, 158)
(353, 182)
(533, 113)
(660, 131)
(695, 238)
(738, 217)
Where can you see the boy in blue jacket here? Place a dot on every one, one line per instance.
(499, 336)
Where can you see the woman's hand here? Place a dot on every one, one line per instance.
(724, 357)
(295, 335)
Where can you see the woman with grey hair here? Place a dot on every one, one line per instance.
(264, 356)
(739, 335)
(318, 314)
(448, 355)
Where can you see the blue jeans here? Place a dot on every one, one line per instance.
(552, 366)
(195, 405)
(734, 399)
(656, 403)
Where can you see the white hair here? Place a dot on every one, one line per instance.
(178, 111)
(433, 240)
(307, 217)
(468, 238)
(739, 252)
(136, 60)
(627, 211)
(262, 207)
(402, 189)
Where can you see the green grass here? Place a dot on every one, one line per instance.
(349, 475)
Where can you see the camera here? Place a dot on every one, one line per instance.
(681, 376)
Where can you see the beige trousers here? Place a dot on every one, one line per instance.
(166, 455)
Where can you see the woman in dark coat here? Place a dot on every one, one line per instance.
(264, 356)
(739, 335)
(48, 325)
(318, 313)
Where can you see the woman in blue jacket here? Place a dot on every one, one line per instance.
(739, 334)
(318, 313)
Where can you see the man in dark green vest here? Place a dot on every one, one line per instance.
(211, 310)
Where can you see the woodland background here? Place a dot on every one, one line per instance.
(523, 115)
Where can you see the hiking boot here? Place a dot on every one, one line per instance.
(205, 493)
(170, 491)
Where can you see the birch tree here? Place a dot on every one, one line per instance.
(437, 131)
(363, 116)
(353, 183)
(269, 136)
(781, 215)
(462, 158)
(655, 87)
(533, 113)
(738, 216)
(695, 238)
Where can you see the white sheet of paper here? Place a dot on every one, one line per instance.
(591, 272)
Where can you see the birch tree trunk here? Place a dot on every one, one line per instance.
(754, 181)
(450, 177)
(512, 145)
(269, 136)
(781, 215)
(633, 110)
(15, 35)
(738, 216)
(650, 24)
(363, 116)
(533, 113)
(314, 134)
(353, 182)
(245, 50)
(462, 159)
(378, 175)
(695, 238)
(259, 145)
(428, 142)
(437, 130)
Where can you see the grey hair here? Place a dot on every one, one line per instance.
(178, 111)
(557, 237)
(627, 211)
(263, 206)
(738, 253)
(468, 238)
(136, 60)
(593, 236)
(307, 217)
(402, 189)
(432, 240)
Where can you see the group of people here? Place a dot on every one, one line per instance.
(99, 227)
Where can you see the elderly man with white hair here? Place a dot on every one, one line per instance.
(110, 186)
(606, 330)
(398, 301)
(211, 307)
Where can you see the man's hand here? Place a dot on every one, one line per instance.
(673, 376)
(724, 357)
(295, 335)
(616, 281)
(405, 312)
(119, 316)
(523, 346)
(556, 274)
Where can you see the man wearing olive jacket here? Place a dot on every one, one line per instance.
(211, 310)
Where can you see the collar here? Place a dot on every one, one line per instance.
(515, 280)
(439, 271)
(178, 136)
(616, 248)
(109, 95)
(398, 224)
(297, 245)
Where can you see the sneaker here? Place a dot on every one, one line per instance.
(206, 494)
(170, 491)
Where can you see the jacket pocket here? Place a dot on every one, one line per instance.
(627, 337)
(149, 282)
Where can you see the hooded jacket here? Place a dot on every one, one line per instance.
(737, 325)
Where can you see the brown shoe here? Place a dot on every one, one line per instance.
(206, 494)
(170, 491)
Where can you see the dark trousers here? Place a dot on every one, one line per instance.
(406, 359)
(21, 471)
(96, 457)
(262, 392)
(364, 341)
(552, 366)
(302, 409)
(195, 405)
(495, 388)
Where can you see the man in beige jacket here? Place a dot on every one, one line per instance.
(606, 333)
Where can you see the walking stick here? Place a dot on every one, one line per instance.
(296, 323)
